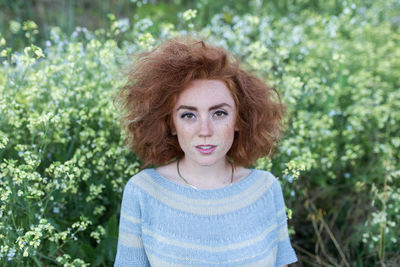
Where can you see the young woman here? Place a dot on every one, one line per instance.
(194, 113)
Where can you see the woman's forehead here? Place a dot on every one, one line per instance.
(205, 93)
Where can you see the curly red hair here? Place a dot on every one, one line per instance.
(156, 78)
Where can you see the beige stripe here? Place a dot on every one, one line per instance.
(130, 240)
(147, 179)
(130, 218)
(283, 233)
(269, 261)
(279, 213)
(205, 207)
(224, 248)
(157, 262)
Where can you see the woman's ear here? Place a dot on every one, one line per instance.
(236, 123)
(171, 126)
(173, 130)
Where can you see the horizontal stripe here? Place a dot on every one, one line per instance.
(205, 207)
(130, 218)
(196, 201)
(212, 249)
(129, 240)
(280, 213)
(156, 261)
(283, 233)
(268, 261)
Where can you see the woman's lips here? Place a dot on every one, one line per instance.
(206, 149)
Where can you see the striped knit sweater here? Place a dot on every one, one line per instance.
(166, 224)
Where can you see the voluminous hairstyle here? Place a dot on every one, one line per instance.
(155, 80)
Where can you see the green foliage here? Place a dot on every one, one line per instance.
(63, 165)
(62, 159)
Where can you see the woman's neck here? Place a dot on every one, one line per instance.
(206, 177)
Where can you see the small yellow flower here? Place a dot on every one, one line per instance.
(189, 14)
(25, 254)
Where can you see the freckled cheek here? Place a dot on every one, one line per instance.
(186, 133)
(227, 131)
(188, 129)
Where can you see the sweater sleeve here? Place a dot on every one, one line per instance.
(285, 254)
(130, 250)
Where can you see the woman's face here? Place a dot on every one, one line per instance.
(204, 118)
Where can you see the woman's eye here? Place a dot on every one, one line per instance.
(187, 116)
(220, 113)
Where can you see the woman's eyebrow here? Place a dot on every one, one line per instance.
(211, 108)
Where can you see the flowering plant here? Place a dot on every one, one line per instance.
(63, 164)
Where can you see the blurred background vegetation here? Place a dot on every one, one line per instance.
(69, 14)
(62, 160)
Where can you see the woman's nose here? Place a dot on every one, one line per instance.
(205, 127)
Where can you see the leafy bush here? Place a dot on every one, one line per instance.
(62, 159)
(63, 163)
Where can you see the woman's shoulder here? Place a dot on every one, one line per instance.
(138, 178)
(241, 173)
(268, 179)
(264, 173)
(168, 171)
(151, 177)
